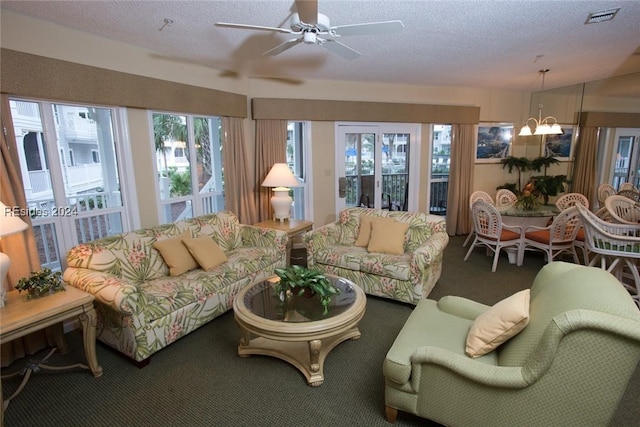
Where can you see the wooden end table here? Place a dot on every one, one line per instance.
(19, 318)
(293, 228)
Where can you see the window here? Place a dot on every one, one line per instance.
(440, 164)
(78, 198)
(297, 149)
(181, 141)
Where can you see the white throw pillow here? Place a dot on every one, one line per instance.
(499, 323)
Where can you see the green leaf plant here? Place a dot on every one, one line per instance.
(296, 279)
(40, 283)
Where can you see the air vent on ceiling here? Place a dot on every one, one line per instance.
(603, 15)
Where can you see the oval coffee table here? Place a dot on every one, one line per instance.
(297, 331)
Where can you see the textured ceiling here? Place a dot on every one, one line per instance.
(498, 44)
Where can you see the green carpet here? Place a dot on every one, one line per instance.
(200, 380)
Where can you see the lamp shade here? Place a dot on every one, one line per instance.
(280, 176)
(10, 224)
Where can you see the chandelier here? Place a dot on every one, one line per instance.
(547, 126)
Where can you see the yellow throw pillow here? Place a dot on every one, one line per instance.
(387, 236)
(364, 233)
(499, 323)
(206, 251)
(176, 255)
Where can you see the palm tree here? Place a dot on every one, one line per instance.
(168, 127)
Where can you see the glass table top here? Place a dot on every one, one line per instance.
(542, 210)
(263, 301)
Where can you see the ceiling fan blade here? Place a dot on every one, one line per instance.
(341, 49)
(253, 27)
(385, 27)
(307, 11)
(282, 47)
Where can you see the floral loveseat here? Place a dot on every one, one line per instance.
(408, 276)
(141, 307)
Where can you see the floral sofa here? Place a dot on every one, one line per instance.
(141, 307)
(408, 276)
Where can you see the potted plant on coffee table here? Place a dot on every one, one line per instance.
(297, 280)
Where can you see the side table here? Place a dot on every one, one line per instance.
(19, 318)
(293, 228)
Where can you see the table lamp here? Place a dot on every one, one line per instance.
(9, 224)
(281, 177)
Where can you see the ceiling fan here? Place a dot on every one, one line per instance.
(311, 27)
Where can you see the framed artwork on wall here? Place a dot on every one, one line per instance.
(493, 142)
(560, 146)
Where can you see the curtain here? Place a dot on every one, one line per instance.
(584, 176)
(271, 145)
(460, 178)
(20, 247)
(238, 189)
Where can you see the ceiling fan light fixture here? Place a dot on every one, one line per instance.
(310, 37)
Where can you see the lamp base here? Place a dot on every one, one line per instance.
(5, 263)
(281, 204)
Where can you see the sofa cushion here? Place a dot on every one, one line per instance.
(393, 266)
(205, 251)
(176, 255)
(348, 257)
(444, 331)
(222, 227)
(387, 236)
(167, 294)
(364, 231)
(499, 323)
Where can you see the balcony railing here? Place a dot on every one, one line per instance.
(77, 179)
(395, 186)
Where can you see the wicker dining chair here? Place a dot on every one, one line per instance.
(626, 186)
(557, 238)
(604, 191)
(505, 199)
(616, 248)
(567, 200)
(476, 195)
(623, 210)
(492, 234)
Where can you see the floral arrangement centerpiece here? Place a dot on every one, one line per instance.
(297, 280)
(528, 200)
(539, 186)
(40, 283)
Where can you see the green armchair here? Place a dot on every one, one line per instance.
(568, 367)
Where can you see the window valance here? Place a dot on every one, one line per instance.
(29, 75)
(328, 110)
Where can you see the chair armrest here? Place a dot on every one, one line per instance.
(514, 228)
(534, 228)
(466, 367)
(424, 255)
(263, 237)
(322, 237)
(461, 307)
(108, 289)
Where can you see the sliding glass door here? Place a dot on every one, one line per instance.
(373, 165)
